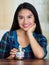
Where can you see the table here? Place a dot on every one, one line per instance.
(24, 62)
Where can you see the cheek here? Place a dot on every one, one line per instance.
(20, 24)
(32, 22)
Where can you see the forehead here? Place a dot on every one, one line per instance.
(25, 11)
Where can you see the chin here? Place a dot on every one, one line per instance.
(25, 29)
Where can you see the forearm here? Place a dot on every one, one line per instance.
(36, 48)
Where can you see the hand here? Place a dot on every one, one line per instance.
(31, 29)
(12, 53)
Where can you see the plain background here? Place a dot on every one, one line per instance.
(7, 10)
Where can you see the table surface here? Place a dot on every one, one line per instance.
(24, 62)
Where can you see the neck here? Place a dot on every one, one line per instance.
(22, 31)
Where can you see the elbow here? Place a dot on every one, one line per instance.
(40, 56)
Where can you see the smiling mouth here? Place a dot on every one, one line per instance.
(26, 25)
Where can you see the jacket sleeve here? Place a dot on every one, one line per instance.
(3, 44)
(43, 43)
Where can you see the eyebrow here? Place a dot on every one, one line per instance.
(27, 15)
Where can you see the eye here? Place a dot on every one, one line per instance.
(29, 16)
(20, 17)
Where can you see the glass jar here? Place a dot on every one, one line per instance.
(20, 53)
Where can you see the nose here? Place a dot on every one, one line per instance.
(25, 20)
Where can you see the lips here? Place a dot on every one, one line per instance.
(26, 25)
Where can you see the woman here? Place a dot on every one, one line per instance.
(25, 31)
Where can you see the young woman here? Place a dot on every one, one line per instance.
(25, 31)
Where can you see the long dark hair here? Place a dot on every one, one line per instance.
(30, 7)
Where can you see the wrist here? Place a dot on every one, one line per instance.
(10, 57)
(30, 34)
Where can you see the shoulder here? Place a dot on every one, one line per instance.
(40, 37)
(8, 34)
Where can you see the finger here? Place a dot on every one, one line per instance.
(14, 49)
(34, 26)
(11, 53)
(12, 56)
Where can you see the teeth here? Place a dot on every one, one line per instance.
(25, 25)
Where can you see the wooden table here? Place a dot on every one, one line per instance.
(24, 62)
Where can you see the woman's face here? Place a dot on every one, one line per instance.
(25, 19)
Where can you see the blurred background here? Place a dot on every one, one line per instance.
(7, 10)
